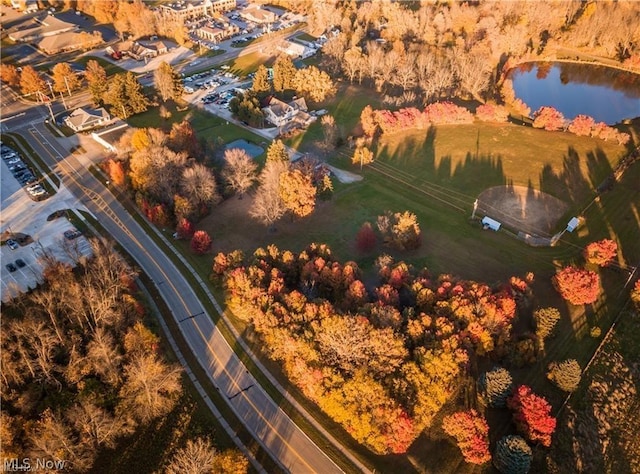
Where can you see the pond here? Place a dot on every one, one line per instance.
(252, 149)
(606, 94)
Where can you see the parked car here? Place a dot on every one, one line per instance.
(12, 244)
(72, 234)
(11, 267)
(20, 263)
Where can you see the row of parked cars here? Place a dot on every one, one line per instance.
(19, 263)
(22, 173)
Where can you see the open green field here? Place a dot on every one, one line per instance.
(108, 66)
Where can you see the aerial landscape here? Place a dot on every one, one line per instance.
(320, 236)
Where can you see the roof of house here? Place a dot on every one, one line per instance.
(62, 41)
(280, 108)
(299, 104)
(81, 118)
(111, 135)
(259, 14)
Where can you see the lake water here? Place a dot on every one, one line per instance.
(608, 95)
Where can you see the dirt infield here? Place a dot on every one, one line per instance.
(520, 208)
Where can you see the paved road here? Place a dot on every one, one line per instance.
(287, 444)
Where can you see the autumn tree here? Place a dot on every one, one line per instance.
(548, 118)
(268, 206)
(601, 252)
(151, 387)
(231, 461)
(246, 108)
(512, 455)
(184, 229)
(362, 156)
(261, 85)
(64, 78)
(167, 82)
(125, 96)
(136, 18)
(313, 84)
(400, 229)
(565, 374)
(239, 170)
(31, 82)
(297, 192)
(471, 432)
(9, 75)
(196, 457)
(546, 320)
(368, 121)
(200, 242)
(635, 295)
(183, 138)
(116, 172)
(582, 125)
(532, 415)
(277, 152)
(366, 238)
(97, 81)
(576, 285)
(199, 186)
(495, 387)
(284, 74)
(329, 132)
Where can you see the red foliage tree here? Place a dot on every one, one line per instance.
(184, 229)
(576, 285)
(366, 238)
(601, 252)
(200, 242)
(446, 112)
(532, 415)
(582, 125)
(548, 118)
(471, 432)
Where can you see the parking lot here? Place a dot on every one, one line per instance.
(22, 217)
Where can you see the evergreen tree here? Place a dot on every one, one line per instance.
(125, 96)
(512, 455)
(277, 152)
(168, 82)
(284, 74)
(565, 375)
(495, 386)
(261, 85)
(96, 78)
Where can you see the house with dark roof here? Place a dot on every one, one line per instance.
(41, 27)
(84, 119)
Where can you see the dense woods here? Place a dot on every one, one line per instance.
(80, 370)
(381, 361)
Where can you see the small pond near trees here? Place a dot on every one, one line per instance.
(606, 94)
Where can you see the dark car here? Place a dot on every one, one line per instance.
(72, 234)
(11, 267)
(20, 263)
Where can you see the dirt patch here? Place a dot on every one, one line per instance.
(522, 209)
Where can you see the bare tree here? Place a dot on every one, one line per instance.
(151, 387)
(196, 457)
(103, 354)
(239, 170)
(199, 185)
(268, 206)
(329, 132)
(353, 63)
(96, 426)
(473, 69)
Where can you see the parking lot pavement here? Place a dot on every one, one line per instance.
(21, 215)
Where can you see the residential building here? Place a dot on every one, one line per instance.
(258, 15)
(140, 50)
(296, 50)
(84, 119)
(280, 113)
(188, 10)
(110, 137)
(69, 41)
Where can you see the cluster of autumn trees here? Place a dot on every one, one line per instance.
(381, 361)
(450, 49)
(583, 125)
(80, 371)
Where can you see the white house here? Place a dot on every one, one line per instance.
(110, 137)
(84, 119)
(280, 113)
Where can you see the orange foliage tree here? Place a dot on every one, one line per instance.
(297, 192)
(576, 285)
(601, 252)
(471, 432)
(548, 118)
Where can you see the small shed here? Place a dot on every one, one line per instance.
(573, 224)
(489, 223)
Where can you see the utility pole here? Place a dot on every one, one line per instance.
(50, 88)
(68, 88)
(63, 102)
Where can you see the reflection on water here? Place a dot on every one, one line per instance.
(606, 94)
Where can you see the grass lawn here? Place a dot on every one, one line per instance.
(306, 37)
(248, 63)
(108, 66)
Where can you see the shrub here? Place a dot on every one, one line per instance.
(471, 432)
(601, 252)
(366, 238)
(635, 295)
(565, 375)
(512, 455)
(492, 113)
(532, 415)
(595, 332)
(445, 113)
(582, 125)
(548, 118)
(400, 230)
(576, 285)
(184, 229)
(200, 242)
(546, 320)
(495, 386)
